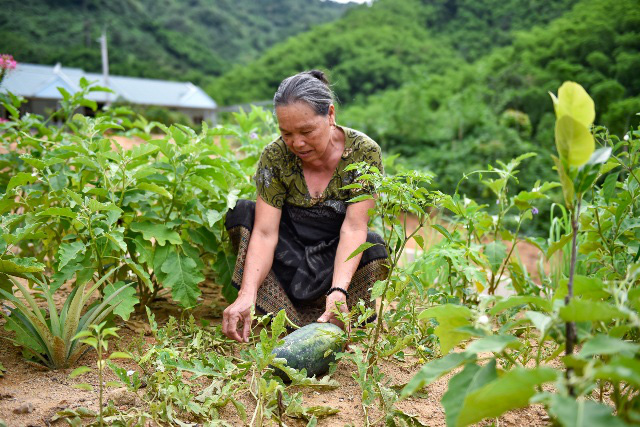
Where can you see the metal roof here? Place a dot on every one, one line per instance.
(42, 81)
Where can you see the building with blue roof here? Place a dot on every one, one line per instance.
(39, 85)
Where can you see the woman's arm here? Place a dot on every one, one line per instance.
(262, 245)
(353, 233)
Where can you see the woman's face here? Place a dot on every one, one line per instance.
(306, 133)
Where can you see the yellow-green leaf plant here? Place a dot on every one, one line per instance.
(578, 164)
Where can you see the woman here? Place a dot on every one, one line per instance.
(293, 241)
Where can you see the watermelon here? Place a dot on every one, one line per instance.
(306, 348)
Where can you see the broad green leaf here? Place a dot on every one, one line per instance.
(466, 381)
(493, 343)
(97, 206)
(125, 301)
(20, 265)
(590, 311)
(574, 101)
(204, 184)
(450, 317)
(433, 370)
(160, 232)
(64, 212)
(142, 150)
(510, 391)
(19, 179)
(154, 188)
(604, 344)
(145, 250)
(68, 251)
(182, 277)
(212, 216)
(363, 247)
(118, 240)
(591, 288)
(609, 186)
(495, 252)
(570, 412)
(574, 141)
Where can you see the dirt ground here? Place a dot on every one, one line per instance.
(31, 396)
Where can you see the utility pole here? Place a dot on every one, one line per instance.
(105, 63)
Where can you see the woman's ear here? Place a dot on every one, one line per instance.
(332, 115)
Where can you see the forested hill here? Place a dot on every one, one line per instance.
(172, 39)
(375, 48)
(456, 84)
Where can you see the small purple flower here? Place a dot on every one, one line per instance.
(497, 201)
(253, 135)
(534, 211)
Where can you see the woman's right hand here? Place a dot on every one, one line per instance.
(236, 315)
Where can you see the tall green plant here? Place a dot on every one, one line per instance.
(578, 165)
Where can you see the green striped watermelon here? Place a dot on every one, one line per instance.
(306, 348)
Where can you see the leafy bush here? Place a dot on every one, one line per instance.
(78, 203)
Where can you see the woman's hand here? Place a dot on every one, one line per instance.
(335, 300)
(238, 313)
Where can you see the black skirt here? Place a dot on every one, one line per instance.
(302, 269)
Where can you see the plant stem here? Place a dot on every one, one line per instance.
(100, 364)
(571, 326)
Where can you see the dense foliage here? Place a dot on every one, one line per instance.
(462, 118)
(381, 47)
(79, 210)
(168, 39)
(454, 85)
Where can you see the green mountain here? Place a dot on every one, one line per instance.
(171, 39)
(460, 119)
(456, 84)
(371, 49)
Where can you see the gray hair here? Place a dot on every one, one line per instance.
(311, 87)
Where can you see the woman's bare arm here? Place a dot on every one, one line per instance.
(260, 252)
(353, 233)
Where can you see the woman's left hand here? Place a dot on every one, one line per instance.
(335, 300)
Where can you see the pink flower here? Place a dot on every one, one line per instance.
(7, 62)
(3, 120)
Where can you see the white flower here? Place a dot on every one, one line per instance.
(483, 319)
(626, 136)
(130, 373)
